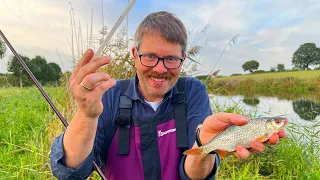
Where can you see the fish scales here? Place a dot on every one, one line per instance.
(238, 135)
(258, 129)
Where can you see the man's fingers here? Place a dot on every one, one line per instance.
(274, 139)
(93, 79)
(104, 86)
(241, 152)
(257, 146)
(221, 121)
(87, 56)
(90, 67)
(282, 134)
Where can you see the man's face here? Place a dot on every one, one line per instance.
(155, 82)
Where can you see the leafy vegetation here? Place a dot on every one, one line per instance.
(250, 66)
(307, 55)
(46, 73)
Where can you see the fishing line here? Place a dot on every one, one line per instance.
(33, 30)
(23, 98)
(34, 79)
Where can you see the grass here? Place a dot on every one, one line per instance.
(28, 127)
(24, 137)
(297, 74)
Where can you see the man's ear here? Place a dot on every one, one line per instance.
(133, 51)
(184, 56)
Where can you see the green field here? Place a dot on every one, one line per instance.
(25, 119)
(287, 85)
(296, 74)
(28, 126)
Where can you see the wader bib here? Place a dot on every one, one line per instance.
(148, 147)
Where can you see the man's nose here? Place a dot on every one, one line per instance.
(160, 67)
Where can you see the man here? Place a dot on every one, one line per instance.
(146, 147)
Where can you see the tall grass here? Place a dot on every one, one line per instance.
(24, 138)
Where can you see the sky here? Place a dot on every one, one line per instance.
(267, 31)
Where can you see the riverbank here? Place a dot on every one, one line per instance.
(286, 84)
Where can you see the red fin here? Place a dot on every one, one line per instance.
(262, 138)
(221, 153)
(198, 152)
(195, 151)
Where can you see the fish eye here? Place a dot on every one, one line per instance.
(278, 122)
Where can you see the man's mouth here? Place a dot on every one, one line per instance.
(158, 80)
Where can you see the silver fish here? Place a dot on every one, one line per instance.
(258, 129)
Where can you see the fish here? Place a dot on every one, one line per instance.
(257, 129)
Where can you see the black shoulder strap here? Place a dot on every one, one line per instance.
(124, 120)
(180, 115)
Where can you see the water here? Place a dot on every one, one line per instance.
(301, 112)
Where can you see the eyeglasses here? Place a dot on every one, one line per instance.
(151, 60)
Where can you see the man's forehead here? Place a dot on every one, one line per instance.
(157, 44)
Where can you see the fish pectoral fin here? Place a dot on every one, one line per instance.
(198, 152)
(194, 151)
(262, 138)
(221, 153)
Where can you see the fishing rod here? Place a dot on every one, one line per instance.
(45, 95)
(98, 53)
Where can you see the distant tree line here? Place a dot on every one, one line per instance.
(307, 55)
(46, 73)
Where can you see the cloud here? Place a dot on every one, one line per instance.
(44, 27)
(270, 31)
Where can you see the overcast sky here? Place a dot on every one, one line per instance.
(270, 31)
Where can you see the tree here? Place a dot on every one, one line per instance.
(250, 66)
(43, 71)
(3, 49)
(280, 67)
(16, 68)
(38, 67)
(272, 69)
(53, 72)
(307, 55)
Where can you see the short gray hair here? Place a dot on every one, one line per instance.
(165, 23)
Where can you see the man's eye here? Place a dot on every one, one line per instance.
(150, 56)
(172, 59)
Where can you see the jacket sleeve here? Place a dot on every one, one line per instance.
(197, 110)
(58, 167)
(211, 176)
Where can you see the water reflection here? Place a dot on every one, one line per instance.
(301, 111)
(251, 101)
(306, 109)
